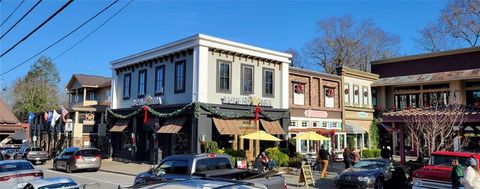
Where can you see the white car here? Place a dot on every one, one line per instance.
(16, 173)
(55, 182)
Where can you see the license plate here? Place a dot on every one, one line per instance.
(37, 158)
(90, 159)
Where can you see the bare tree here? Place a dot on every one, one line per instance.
(344, 42)
(434, 127)
(297, 60)
(433, 38)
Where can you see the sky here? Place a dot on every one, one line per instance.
(276, 25)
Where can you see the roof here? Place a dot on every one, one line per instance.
(6, 115)
(428, 78)
(472, 114)
(316, 73)
(92, 81)
(202, 40)
(346, 71)
(426, 55)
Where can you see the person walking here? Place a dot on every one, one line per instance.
(324, 159)
(347, 158)
(471, 177)
(355, 155)
(386, 153)
(456, 174)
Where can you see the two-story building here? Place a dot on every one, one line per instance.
(315, 105)
(88, 98)
(357, 105)
(200, 88)
(412, 84)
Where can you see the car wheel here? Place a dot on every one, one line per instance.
(55, 166)
(379, 183)
(68, 169)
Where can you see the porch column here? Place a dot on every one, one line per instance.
(402, 146)
(363, 141)
(394, 140)
(84, 95)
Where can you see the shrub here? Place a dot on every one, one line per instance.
(376, 153)
(350, 142)
(275, 154)
(367, 153)
(296, 160)
(211, 147)
(235, 155)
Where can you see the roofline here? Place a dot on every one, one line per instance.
(357, 73)
(83, 86)
(426, 55)
(199, 40)
(322, 74)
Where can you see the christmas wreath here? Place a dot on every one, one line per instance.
(346, 91)
(356, 92)
(330, 93)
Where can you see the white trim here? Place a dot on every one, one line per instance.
(284, 86)
(202, 67)
(313, 119)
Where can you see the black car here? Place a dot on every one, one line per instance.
(373, 173)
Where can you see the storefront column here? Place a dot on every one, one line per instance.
(394, 139)
(363, 140)
(133, 137)
(402, 146)
(235, 142)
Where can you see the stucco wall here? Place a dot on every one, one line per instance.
(361, 83)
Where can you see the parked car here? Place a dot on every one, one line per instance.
(34, 155)
(16, 173)
(54, 182)
(204, 183)
(373, 173)
(74, 158)
(10, 152)
(182, 167)
(437, 173)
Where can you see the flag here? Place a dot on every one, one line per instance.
(55, 117)
(31, 116)
(64, 113)
(45, 116)
(49, 119)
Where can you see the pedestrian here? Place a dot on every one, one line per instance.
(456, 174)
(471, 177)
(347, 159)
(355, 155)
(386, 153)
(324, 159)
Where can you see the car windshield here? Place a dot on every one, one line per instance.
(60, 185)
(88, 153)
(366, 164)
(15, 166)
(443, 160)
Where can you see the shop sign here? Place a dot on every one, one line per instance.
(362, 114)
(69, 125)
(316, 114)
(148, 100)
(89, 119)
(248, 100)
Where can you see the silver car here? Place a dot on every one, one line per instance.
(55, 182)
(16, 173)
(74, 158)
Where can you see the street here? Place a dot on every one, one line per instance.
(99, 179)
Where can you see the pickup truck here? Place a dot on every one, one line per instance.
(34, 155)
(437, 173)
(182, 167)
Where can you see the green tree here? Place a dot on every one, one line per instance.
(38, 90)
(374, 137)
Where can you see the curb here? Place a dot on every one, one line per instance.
(117, 172)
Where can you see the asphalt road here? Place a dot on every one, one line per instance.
(99, 179)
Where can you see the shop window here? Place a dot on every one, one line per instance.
(406, 101)
(126, 85)
(473, 98)
(180, 67)
(91, 96)
(90, 128)
(160, 80)
(247, 79)
(346, 93)
(406, 88)
(472, 84)
(315, 124)
(298, 94)
(329, 94)
(268, 82)
(142, 83)
(374, 97)
(224, 76)
(356, 94)
(304, 124)
(365, 95)
(435, 98)
(436, 86)
(334, 125)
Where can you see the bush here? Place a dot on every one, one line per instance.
(275, 154)
(376, 153)
(367, 153)
(211, 147)
(296, 160)
(235, 155)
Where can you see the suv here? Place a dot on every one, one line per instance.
(74, 158)
(437, 173)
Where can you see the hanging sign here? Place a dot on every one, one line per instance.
(89, 119)
(69, 125)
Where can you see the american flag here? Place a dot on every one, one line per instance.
(64, 113)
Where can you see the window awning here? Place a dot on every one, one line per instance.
(172, 125)
(354, 129)
(272, 127)
(120, 125)
(227, 127)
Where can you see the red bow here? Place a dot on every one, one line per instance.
(257, 111)
(145, 114)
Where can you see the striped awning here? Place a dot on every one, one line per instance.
(120, 125)
(227, 127)
(172, 125)
(272, 127)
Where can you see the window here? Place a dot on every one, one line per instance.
(142, 83)
(346, 93)
(212, 164)
(315, 124)
(126, 85)
(436, 98)
(334, 125)
(406, 101)
(224, 73)
(247, 79)
(268, 82)
(374, 97)
(365, 95)
(180, 76)
(304, 124)
(180, 167)
(329, 94)
(293, 124)
(324, 124)
(298, 94)
(159, 80)
(356, 94)
(91, 96)
(473, 98)
(108, 93)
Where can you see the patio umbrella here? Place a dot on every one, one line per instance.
(311, 136)
(260, 135)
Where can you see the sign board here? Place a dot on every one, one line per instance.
(89, 119)
(306, 175)
(248, 100)
(362, 114)
(68, 127)
(242, 164)
(316, 114)
(148, 100)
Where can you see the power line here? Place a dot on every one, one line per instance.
(18, 21)
(93, 31)
(14, 10)
(38, 27)
(61, 39)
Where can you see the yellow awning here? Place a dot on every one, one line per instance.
(311, 136)
(260, 135)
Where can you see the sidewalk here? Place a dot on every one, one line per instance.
(326, 183)
(130, 169)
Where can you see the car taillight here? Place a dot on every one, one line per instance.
(78, 157)
(5, 178)
(38, 174)
(284, 183)
(99, 156)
